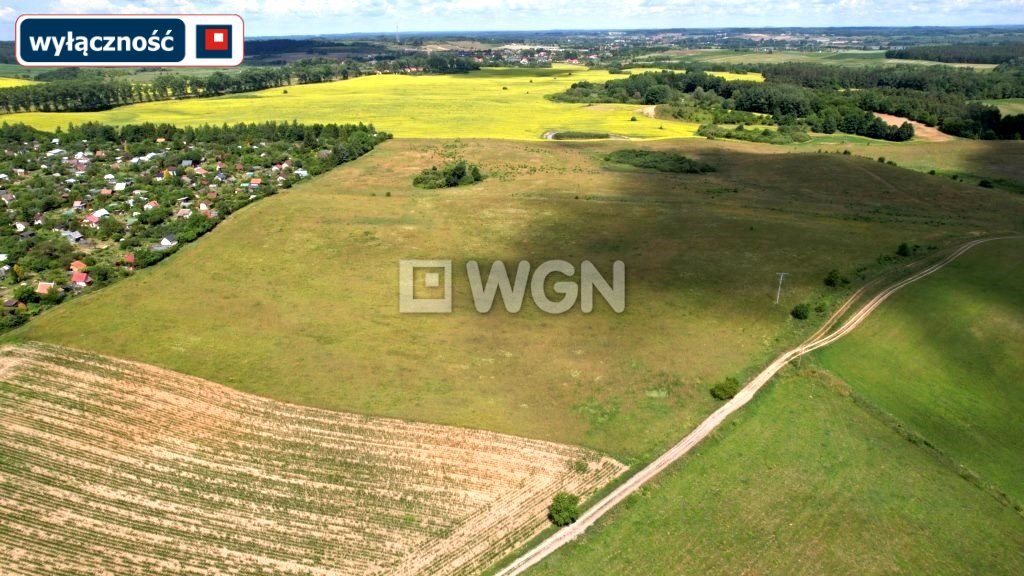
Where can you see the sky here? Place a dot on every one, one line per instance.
(310, 17)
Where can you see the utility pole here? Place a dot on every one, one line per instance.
(779, 293)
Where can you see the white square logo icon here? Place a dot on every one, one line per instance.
(218, 37)
(421, 287)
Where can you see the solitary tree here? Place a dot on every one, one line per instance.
(565, 509)
(834, 279)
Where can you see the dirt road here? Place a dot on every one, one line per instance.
(819, 339)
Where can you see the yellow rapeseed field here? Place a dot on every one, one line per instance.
(13, 82)
(506, 103)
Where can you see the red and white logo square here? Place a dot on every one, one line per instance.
(216, 39)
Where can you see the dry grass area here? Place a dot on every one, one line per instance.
(109, 466)
(921, 131)
(296, 296)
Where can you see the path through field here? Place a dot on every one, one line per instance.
(819, 339)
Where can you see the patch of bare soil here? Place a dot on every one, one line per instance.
(115, 467)
(922, 131)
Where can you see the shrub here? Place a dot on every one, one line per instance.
(784, 135)
(800, 311)
(564, 509)
(986, 184)
(903, 250)
(725, 389)
(458, 173)
(834, 279)
(12, 320)
(577, 135)
(660, 161)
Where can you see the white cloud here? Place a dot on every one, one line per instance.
(281, 17)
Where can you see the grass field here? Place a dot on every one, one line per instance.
(1008, 106)
(746, 76)
(491, 103)
(19, 71)
(814, 478)
(970, 160)
(946, 358)
(843, 58)
(112, 467)
(295, 298)
(802, 482)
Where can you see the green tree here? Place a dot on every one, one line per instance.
(564, 509)
(725, 389)
(834, 279)
(800, 311)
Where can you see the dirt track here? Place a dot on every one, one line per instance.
(819, 339)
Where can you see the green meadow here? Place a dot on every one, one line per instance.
(802, 482)
(817, 476)
(1008, 106)
(946, 358)
(296, 297)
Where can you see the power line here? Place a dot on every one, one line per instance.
(778, 294)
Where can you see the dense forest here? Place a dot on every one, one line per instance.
(962, 53)
(833, 98)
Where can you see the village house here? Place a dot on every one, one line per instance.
(73, 236)
(81, 279)
(14, 304)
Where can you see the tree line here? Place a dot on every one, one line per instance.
(833, 98)
(83, 92)
(967, 53)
